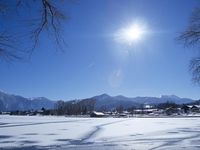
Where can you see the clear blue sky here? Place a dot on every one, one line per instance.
(95, 63)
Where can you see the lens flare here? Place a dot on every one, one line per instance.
(131, 34)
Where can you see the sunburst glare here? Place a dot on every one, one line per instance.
(131, 34)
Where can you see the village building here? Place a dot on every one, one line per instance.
(97, 114)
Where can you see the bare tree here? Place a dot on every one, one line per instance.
(191, 38)
(48, 18)
(7, 50)
(195, 69)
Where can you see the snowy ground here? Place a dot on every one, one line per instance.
(55, 133)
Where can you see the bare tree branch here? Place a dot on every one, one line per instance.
(47, 19)
(8, 52)
(195, 69)
(50, 20)
(191, 37)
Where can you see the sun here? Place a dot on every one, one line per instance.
(131, 34)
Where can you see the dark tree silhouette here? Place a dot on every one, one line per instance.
(48, 17)
(75, 107)
(191, 38)
(195, 69)
(7, 50)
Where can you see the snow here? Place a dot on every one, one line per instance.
(98, 113)
(50, 132)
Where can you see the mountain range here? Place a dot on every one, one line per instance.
(110, 102)
(10, 102)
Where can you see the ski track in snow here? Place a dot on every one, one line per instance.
(57, 133)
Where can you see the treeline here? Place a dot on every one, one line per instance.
(42, 111)
(75, 107)
(168, 104)
(86, 106)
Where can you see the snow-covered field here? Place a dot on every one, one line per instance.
(45, 132)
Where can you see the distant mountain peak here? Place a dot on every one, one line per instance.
(105, 94)
(11, 102)
(3, 92)
(170, 96)
(120, 96)
(38, 98)
(102, 96)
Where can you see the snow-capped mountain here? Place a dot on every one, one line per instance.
(10, 102)
(107, 101)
